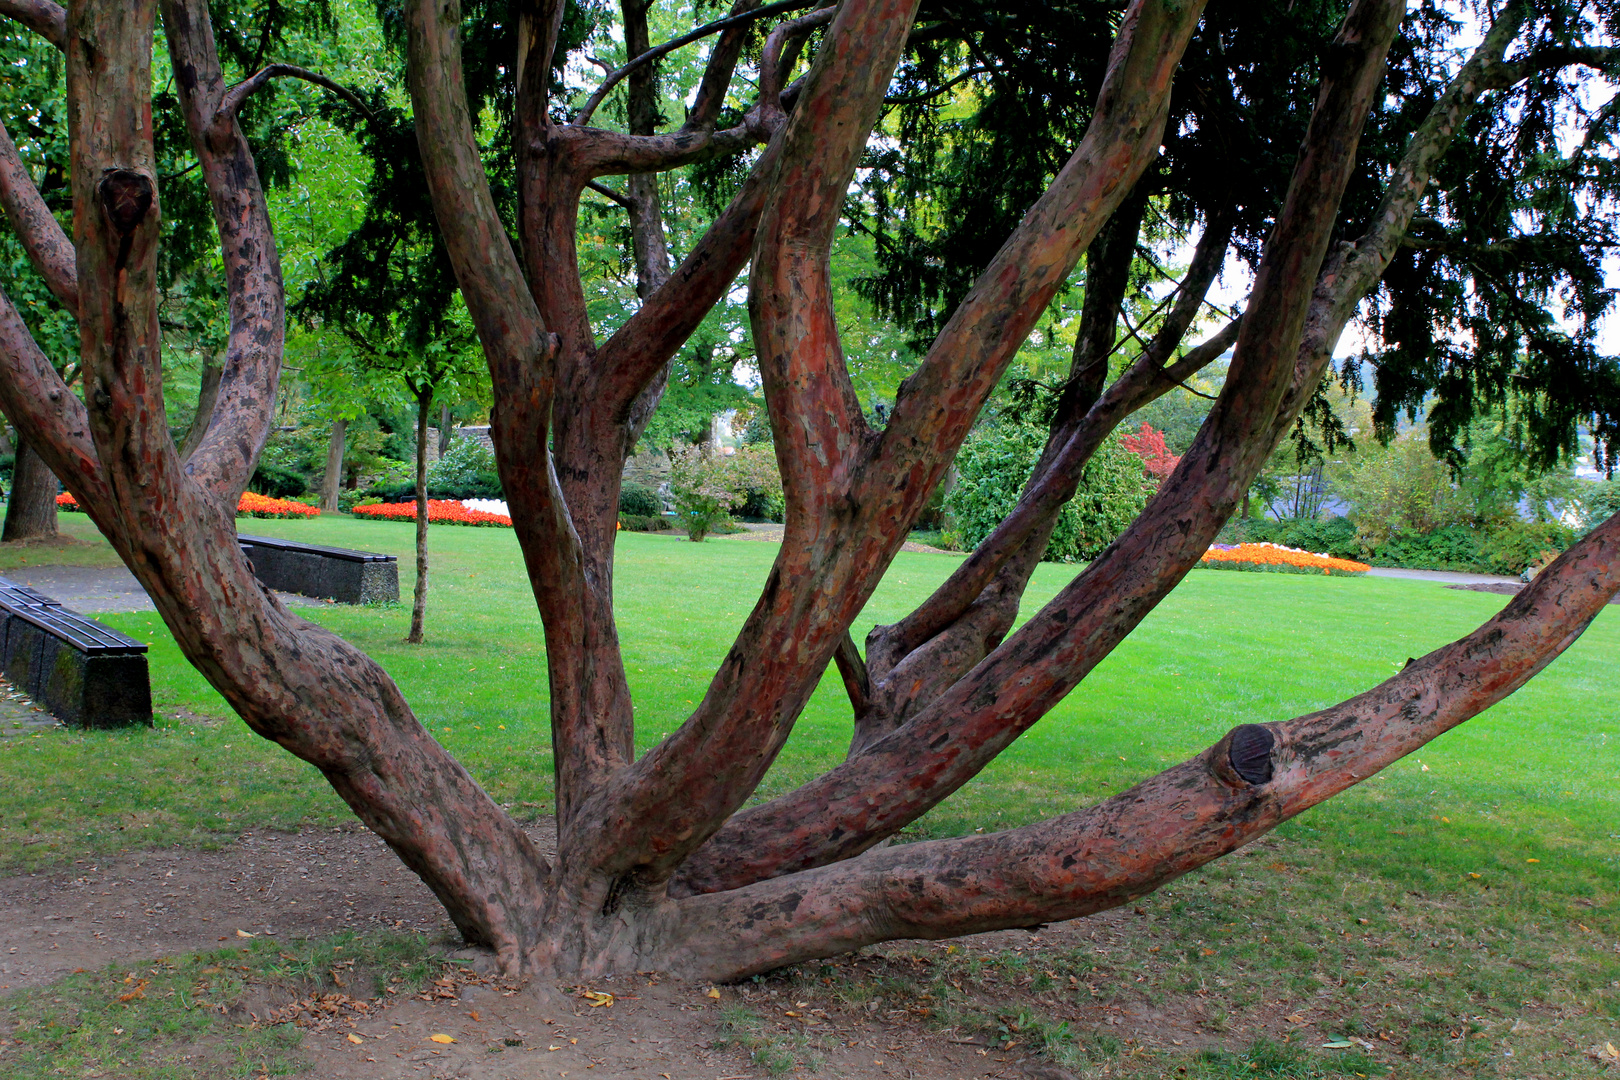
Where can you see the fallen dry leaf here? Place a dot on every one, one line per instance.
(597, 998)
(714, 992)
(441, 1039)
(357, 1040)
(474, 1014)
(1294, 1018)
(244, 933)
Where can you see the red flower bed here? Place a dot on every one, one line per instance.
(252, 504)
(440, 512)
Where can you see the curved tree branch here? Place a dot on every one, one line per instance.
(50, 252)
(844, 522)
(950, 740)
(225, 458)
(231, 103)
(1078, 864)
(583, 117)
(43, 17)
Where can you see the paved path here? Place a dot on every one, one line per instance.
(1444, 577)
(96, 589)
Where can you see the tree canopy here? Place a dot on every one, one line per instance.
(1036, 199)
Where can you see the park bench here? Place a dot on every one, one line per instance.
(82, 672)
(327, 573)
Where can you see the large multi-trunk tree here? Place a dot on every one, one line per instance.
(658, 862)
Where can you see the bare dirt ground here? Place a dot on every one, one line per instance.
(145, 905)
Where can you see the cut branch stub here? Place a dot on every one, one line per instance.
(126, 196)
(1248, 753)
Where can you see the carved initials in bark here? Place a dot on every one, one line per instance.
(657, 865)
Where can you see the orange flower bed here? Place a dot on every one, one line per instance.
(440, 512)
(263, 506)
(252, 504)
(1274, 558)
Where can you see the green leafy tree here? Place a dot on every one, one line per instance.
(996, 463)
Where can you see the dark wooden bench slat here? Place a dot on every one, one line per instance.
(348, 554)
(15, 595)
(86, 635)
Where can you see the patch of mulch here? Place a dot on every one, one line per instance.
(1507, 588)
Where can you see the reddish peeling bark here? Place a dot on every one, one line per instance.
(947, 743)
(49, 250)
(1254, 779)
(228, 451)
(291, 681)
(851, 496)
(656, 866)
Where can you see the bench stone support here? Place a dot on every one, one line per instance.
(101, 687)
(319, 573)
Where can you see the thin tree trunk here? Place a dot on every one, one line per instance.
(419, 598)
(445, 430)
(31, 509)
(333, 478)
(207, 396)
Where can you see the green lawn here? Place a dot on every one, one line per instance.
(1433, 908)
(1533, 778)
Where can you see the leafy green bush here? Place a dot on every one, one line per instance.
(392, 491)
(1521, 544)
(1334, 536)
(466, 470)
(1599, 502)
(277, 481)
(762, 505)
(645, 523)
(639, 500)
(707, 487)
(994, 465)
(1455, 547)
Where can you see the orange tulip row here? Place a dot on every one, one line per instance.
(252, 504)
(1275, 557)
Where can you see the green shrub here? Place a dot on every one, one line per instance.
(707, 487)
(994, 465)
(1334, 536)
(762, 505)
(645, 523)
(393, 491)
(1521, 544)
(1456, 547)
(466, 470)
(1599, 502)
(639, 500)
(277, 481)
